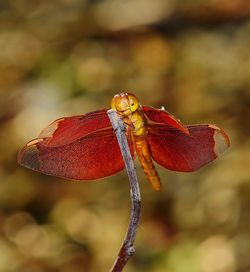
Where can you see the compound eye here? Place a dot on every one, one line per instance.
(133, 103)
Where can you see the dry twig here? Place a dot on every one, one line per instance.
(127, 248)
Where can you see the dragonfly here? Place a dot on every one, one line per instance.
(84, 147)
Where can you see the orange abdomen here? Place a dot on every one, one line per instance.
(145, 159)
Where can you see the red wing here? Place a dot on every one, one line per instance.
(180, 152)
(164, 117)
(66, 130)
(93, 156)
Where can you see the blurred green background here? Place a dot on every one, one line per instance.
(65, 57)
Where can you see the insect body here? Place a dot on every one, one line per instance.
(127, 105)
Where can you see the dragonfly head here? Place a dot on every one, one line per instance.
(125, 103)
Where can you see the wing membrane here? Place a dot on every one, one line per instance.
(66, 130)
(164, 117)
(177, 151)
(93, 156)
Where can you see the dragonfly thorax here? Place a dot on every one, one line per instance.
(129, 108)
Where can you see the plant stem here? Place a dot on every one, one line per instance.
(127, 248)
